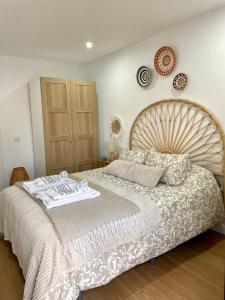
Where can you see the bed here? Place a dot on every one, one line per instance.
(141, 224)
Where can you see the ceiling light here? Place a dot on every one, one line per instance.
(89, 45)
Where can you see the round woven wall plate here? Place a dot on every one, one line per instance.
(180, 81)
(165, 60)
(143, 76)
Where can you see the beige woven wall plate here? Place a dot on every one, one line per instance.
(115, 127)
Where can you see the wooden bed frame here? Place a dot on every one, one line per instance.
(181, 126)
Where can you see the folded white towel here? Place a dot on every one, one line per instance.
(68, 190)
(56, 196)
(43, 183)
(49, 202)
(59, 190)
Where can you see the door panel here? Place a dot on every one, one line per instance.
(86, 149)
(83, 94)
(57, 125)
(56, 95)
(85, 124)
(83, 105)
(60, 152)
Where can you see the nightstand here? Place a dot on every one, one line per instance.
(103, 163)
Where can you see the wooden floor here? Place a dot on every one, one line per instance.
(194, 270)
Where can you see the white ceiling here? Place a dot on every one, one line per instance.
(58, 29)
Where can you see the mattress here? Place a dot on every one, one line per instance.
(174, 215)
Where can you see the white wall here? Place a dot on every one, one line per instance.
(200, 50)
(15, 109)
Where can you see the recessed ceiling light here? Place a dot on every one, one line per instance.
(89, 45)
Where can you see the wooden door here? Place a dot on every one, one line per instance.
(84, 125)
(57, 125)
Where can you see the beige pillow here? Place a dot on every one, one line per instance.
(118, 168)
(137, 173)
(144, 175)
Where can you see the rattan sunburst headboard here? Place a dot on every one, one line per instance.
(181, 126)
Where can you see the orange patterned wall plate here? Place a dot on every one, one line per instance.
(165, 60)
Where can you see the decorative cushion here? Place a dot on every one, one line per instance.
(137, 173)
(117, 168)
(138, 156)
(176, 166)
(144, 175)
